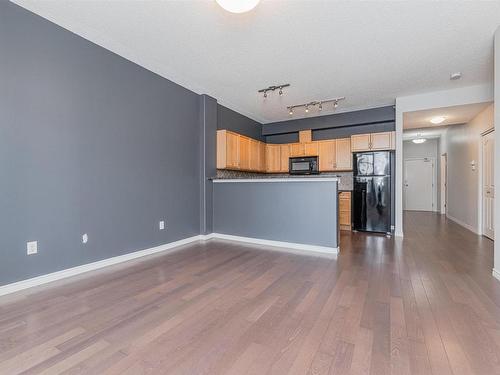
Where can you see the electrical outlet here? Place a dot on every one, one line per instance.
(162, 224)
(85, 238)
(31, 247)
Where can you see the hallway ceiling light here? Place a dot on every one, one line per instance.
(419, 140)
(438, 119)
(238, 6)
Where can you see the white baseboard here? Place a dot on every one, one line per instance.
(461, 223)
(289, 246)
(44, 279)
(169, 247)
(496, 274)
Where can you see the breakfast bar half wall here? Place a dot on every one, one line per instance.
(297, 213)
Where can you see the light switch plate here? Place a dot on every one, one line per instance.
(162, 225)
(31, 247)
(85, 238)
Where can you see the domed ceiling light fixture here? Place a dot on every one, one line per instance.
(238, 6)
(438, 120)
(419, 139)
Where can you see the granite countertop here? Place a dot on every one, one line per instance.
(344, 179)
(277, 179)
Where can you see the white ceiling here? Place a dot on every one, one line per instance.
(370, 52)
(453, 115)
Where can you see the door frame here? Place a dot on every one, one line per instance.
(434, 178)
(443, 183)
(480, 181)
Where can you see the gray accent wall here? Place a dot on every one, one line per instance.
(231, 120)
(89, 143)
(299, 212)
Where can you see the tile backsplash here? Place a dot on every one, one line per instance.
(345, 178)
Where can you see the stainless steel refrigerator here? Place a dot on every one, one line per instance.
(371, 206)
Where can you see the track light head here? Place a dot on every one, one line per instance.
(307, 108)
(290, 112)
(281, 91)
(320, 107)
(265, 94)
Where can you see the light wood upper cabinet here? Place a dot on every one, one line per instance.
(254, 155)
(238, 152)
(373, 141)
(273, 158)
(327, 155)
(381, 141)
(343, 154)
(297, 149)
(284, 157)
(311, 149)
(244, 153)
(305, 136)
(228, 150)
(360, 142)
(262, 157)
(335, 155)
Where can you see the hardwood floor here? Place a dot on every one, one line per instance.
(423, 305)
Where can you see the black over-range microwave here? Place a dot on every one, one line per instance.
(304, 165)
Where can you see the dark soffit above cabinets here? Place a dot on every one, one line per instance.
(379, 115)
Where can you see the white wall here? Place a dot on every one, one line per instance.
(497, 153)
(429, 149)
(463, 146)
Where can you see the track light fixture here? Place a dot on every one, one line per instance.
(273, 88)
(315, 103)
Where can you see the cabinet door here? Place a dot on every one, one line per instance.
(262, 157)
(381, 141)
(297, 149)
(244, 153)
(311, 149)
(343, 157)
(232, 150)
(360, 142)
(254, 155)
(305, 136)
(345, 211)
(221, 149)
(272, 158)
(284, 158)
(326, 155)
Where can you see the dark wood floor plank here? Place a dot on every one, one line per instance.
(425, 304)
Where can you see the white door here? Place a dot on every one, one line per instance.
(419, 184)
(488, 182)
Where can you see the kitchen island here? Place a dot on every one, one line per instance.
(295, 212)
